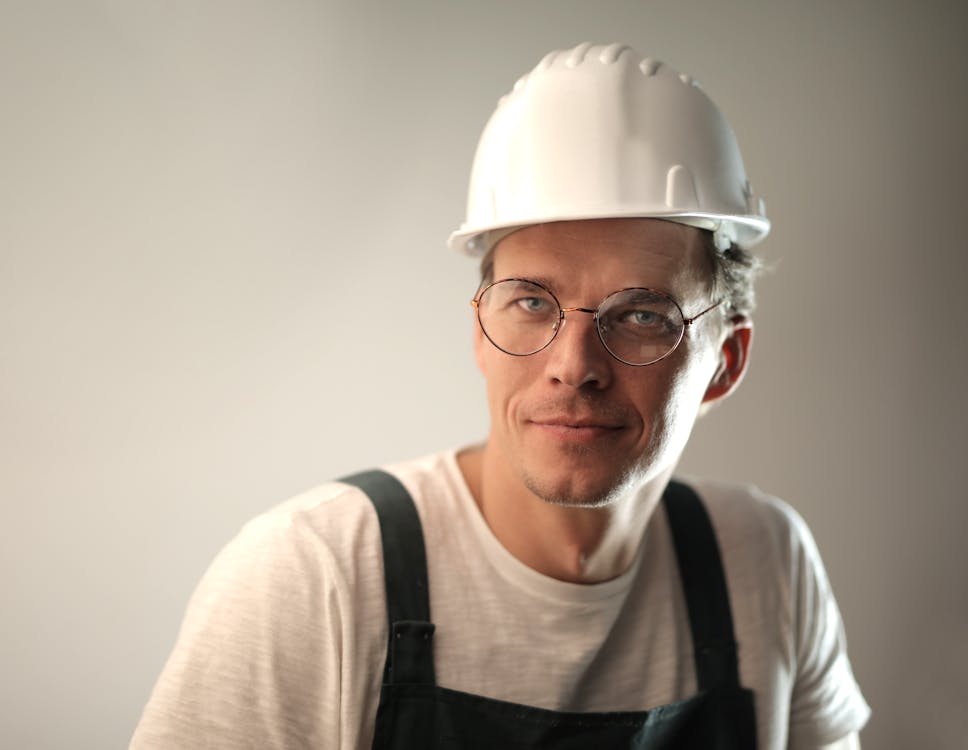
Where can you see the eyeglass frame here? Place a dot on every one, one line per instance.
(686, 322)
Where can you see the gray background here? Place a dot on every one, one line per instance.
(223, 280)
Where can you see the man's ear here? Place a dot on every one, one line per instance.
(734, 354)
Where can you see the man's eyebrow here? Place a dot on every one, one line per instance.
(544, 281)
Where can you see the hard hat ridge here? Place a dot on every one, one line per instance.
(600, 131)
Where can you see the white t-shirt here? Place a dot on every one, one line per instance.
(284, 641)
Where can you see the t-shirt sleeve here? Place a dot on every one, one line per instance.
(826, 702)
(257, 660)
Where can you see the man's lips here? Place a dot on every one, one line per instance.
(576, 422)
(576, 429)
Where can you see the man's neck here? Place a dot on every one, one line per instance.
(574, 544)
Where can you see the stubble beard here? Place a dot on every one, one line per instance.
(628, 477)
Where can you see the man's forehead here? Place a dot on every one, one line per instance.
(613, 252)
(651, 240)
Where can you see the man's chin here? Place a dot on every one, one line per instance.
(574, 491)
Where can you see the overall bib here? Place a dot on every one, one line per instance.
(416, 714)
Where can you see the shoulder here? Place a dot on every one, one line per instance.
(287, 571)
(745, 516)
(768, 551)
(782, 598)
(290, 616)
(333, 519)
(726, 499)
(323, 524)
(331, 529)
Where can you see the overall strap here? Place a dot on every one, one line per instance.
(704, 586)
(410, 648)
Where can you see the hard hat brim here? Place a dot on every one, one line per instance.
(744, 231)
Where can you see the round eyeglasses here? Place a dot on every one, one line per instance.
(637, 326)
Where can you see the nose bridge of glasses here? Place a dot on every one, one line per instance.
(586, 310)
(562, 320)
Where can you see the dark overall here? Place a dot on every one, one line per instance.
(416, 714)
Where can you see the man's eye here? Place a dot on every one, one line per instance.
(643, 318)
(642, 321)
(532, 304)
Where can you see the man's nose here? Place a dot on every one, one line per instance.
(577, 357)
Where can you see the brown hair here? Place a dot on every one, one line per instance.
(734, 274)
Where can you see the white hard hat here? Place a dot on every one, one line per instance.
(599, 132)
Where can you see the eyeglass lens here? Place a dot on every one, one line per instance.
(638, 326)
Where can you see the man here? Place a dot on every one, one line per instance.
(552, 587)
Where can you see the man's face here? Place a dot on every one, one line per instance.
(571, 423)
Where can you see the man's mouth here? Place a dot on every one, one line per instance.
(576, 429)
(577, 423)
